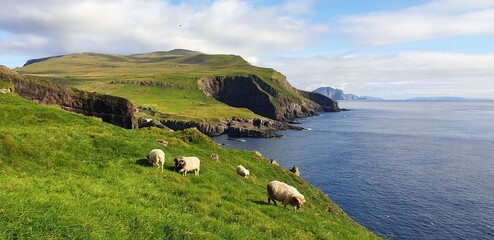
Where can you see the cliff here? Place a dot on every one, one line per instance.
(255, 94)
(110, 109)
(188, 89)
(335, 93)
(338, 94)
(236, 127)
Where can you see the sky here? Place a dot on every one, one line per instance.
(381, 48)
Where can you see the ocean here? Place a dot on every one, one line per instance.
(403, 169)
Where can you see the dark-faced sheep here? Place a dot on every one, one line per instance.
(187, 164)
(285, 193)
(157, 158)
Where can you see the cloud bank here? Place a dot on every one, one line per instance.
(266, 32)
(396, 76)
(32, 27)
(436, 19)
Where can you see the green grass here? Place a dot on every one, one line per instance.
(67, 176)
(181, 68)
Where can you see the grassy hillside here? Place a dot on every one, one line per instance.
(67, 176)
(178, 69)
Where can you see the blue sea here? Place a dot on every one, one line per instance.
(403, 169)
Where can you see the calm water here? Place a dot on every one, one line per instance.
(405, 170)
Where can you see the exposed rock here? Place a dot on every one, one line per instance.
(248, 127)
(215, 156)
(236, 127)
(250, 91)
(257, 153)
(115, 110)
(272, 161)
(295, 170)
(151, 122)
(210, 129)
(327, 104)
(148, 83)
(163, 142)
(329, 209)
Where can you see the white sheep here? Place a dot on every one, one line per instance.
(157, 158)
(285, 193)
(242, 171)
(187, 164)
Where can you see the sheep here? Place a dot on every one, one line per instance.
(187, 164)
(242, 171)
(157, 158)
(287, 194)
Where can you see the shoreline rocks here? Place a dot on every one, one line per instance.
(235, 127)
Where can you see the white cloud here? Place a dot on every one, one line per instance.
(437, 19)
(396, 76)
(42, 28)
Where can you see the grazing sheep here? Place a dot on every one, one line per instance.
(157, 158)
(285, 193)
(242, 171)
(187, 164)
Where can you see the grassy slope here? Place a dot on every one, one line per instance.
(63, 175)
(93, 72)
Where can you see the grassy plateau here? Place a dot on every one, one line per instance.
(179, 69)
(68, 176)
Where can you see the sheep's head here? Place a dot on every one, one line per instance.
(297, 201)
(176, 160)
(179, 163)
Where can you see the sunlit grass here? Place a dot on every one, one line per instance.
(182, 69)
(67, 176)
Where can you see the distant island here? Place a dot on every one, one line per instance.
(337, 94)
(447, 99)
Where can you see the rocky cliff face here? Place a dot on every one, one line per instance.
(255, 94)
(338, 94)
(111, 109)
(236, 127)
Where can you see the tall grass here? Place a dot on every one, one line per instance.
(67, 176)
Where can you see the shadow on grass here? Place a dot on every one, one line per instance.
(260, 202)
(144, 162)
(171, 168)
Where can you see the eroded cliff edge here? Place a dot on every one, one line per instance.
(255, 94)
(115, 110)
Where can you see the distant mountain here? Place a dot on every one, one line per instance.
(337, 94)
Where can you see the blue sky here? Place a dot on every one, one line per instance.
(383, 48)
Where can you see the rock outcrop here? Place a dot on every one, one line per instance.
(251, 92)
(236, 127)
(115, 110)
